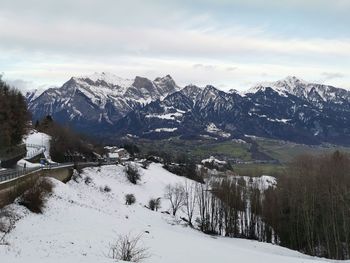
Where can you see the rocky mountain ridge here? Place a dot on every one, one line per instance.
(290, 109)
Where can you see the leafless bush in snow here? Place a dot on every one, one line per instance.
(132, 173)
(130, 199)
(128, 248)
(7, 223)
(154, 204)
(34, 198)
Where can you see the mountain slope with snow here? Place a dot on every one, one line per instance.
(98, 100)
(105, 105)
(81, 221)
(264, 112)
(312, 92)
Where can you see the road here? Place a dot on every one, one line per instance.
(10, 174)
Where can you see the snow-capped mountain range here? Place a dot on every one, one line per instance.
(108, 106)
(314, 93)
(99, 99)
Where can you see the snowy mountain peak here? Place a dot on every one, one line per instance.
(288, 84)
(33, 94)
(101, 98)
(292, 81)
(164, 79)
(312, 92)
(234, 91)
(211, 89)
(100, 105)
(291, 84)
(108, 78)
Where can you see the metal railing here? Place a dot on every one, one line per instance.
(39, 149)
(15, 173)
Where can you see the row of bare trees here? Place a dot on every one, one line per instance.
(228, 207)
(182, 196)
(232, 207)
(309, 210)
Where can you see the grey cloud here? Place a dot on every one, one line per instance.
(231, 68)
(25, 85)
(332, 75)
(204, 66)
(20, 84)
(155, 37)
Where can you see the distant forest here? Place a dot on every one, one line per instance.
(14, 117)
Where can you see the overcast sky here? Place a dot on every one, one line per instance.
(226, 43)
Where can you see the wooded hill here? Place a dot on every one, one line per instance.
(14, 117)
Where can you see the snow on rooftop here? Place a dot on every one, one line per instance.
(165, 129)
(165, 116)
(212, 128)
(212, 159)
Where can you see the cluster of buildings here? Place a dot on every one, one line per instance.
(116, 155)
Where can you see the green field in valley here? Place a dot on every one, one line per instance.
(238, 154)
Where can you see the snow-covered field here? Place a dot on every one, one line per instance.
(81, 221)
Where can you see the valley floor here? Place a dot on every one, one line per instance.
(81, 221)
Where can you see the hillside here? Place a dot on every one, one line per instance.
(80, 223)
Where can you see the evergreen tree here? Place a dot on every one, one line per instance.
(14, 117)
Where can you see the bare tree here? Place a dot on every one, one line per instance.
(128, 248)
(190, 200)
(175, 194)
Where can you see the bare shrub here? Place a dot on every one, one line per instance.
(34, 198)
(154, 204)
(78, 168)
(132, 173)
(106, 189)
(176, 195)
(88, 180)
(3, 225)
(7, 224)
(145, 164)
(76, 176)
(128, 248)
(130, 199)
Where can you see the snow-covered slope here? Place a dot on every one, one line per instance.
(33, 94)
(81, 221)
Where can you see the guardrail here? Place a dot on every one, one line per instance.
(39, 149)
(15, 173)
